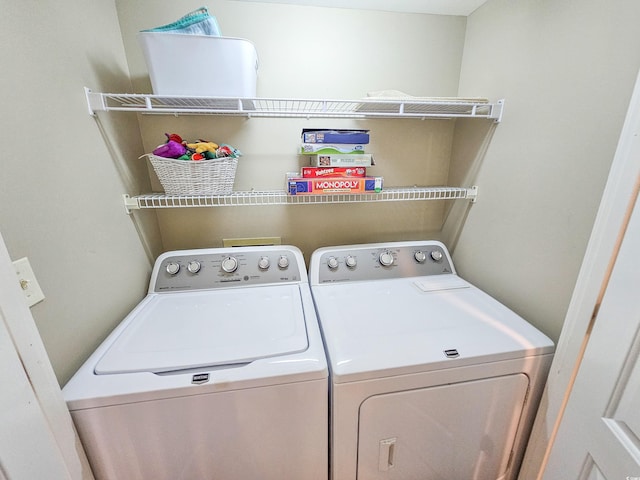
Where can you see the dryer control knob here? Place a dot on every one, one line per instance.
(350, 261)
(264, 263)
(436, 255)
(283, 262)
(229, 264)
(386, 258)
(420, 256)
(332, 263)
(193, 266)
(173, 268)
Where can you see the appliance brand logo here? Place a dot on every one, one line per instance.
(451, 353)
(199, 378)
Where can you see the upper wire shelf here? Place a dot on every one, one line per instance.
(289, 107)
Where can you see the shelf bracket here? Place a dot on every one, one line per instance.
(130, 204)
(496, 111)
(95, 102)
(472, 193)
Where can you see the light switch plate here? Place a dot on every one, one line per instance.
(28, 283)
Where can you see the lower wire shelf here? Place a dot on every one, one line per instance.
(281, 197)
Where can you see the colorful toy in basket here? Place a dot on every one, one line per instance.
(227, 151)
(171, 149)
(201, 147)
(176, 147)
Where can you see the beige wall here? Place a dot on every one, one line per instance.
(62, 180)
(309, 52)
(567, 70)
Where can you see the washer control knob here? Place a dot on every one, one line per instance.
(350, 261)
(194, 266)
(229, 264)
(264, 263)
(332, 263)
(283, 262)
(386, 258)
(420, 256)
(173, 268)
(436, 255)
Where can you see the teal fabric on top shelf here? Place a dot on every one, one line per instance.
(198, 22)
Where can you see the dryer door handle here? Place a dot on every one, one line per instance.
(387, 451)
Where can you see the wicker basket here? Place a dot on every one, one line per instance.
(202, 177)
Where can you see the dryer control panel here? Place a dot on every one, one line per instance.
(186, 270)
(379, 261)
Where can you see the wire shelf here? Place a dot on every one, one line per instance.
(280, 197)
(285, 107)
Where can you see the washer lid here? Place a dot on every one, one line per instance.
(179, 331)
(392, 327)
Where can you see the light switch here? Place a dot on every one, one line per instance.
(28, 283)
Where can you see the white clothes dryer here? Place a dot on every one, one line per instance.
(430, 377)
(219, 372)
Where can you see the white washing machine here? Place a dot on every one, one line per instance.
(430, 378)
(219, 373)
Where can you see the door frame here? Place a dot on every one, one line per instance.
(46, 444)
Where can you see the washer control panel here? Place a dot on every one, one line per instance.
(186, 270)
(379, 261)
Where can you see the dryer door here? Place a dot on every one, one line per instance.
(464, 430)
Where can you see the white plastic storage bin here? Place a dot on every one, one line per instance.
(200, 65)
